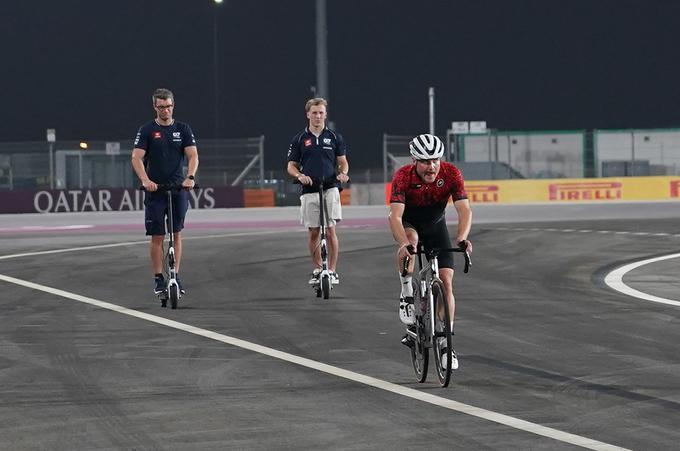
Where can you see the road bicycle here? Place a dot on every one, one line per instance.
(173, 293)
(432, 328)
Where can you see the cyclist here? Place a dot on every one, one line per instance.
(420, 193)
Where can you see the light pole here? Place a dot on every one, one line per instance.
(216, 85)
(51, 138)
(321, 50)
(430, 95)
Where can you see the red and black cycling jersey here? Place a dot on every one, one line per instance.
(425, 202)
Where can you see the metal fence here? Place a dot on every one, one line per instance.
(532, 155)
(551, 154)
(240, 162)
(636, 152)
(396, 154)
(68, 165)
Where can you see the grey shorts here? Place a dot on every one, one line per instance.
(309, 208)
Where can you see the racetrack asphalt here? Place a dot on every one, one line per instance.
(551, 356)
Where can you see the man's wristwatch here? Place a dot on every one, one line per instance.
(190, 177)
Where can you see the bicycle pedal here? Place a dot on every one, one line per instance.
(408, 341)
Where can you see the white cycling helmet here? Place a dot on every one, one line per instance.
(426, 147)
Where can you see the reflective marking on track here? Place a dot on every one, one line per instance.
(619, 232)
(450, 404)
(615, 280)
(132, 243)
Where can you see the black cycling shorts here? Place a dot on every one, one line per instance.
(434, 236)
(156, 210)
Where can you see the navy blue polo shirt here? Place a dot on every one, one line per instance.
(164, 146)
(317, 155)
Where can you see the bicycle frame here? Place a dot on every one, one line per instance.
(426, 332)
(427, 275)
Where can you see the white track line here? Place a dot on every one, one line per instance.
(450, 404)
(43, 228)
(615, 280)
(132, 243)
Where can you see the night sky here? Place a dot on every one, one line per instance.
(87, 68)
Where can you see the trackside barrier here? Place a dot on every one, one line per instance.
(258, 198)
(609, 189)
(346, 196)
(114, 199)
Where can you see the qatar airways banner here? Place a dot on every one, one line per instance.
(116, 199)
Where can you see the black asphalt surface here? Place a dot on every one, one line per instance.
(540, 337)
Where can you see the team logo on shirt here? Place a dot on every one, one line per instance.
(308, 142)
(440, 183)
(156, 135)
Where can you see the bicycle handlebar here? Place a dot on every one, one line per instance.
(435, 252)
(163, 187)
(316, 182)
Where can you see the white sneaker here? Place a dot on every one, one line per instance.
(407, 311)
(335, 278)
(315, 276)
(454, 357)
(454, 362)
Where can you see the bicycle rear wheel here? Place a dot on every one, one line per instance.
(420, 357)
(443, 342)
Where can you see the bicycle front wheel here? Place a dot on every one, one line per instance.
(173, 294)
(420, 356)
(443, 342)
(326, 286)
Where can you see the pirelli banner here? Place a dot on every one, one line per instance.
(574, 190)
(570, 190)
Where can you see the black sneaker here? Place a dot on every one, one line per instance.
(160, 285)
